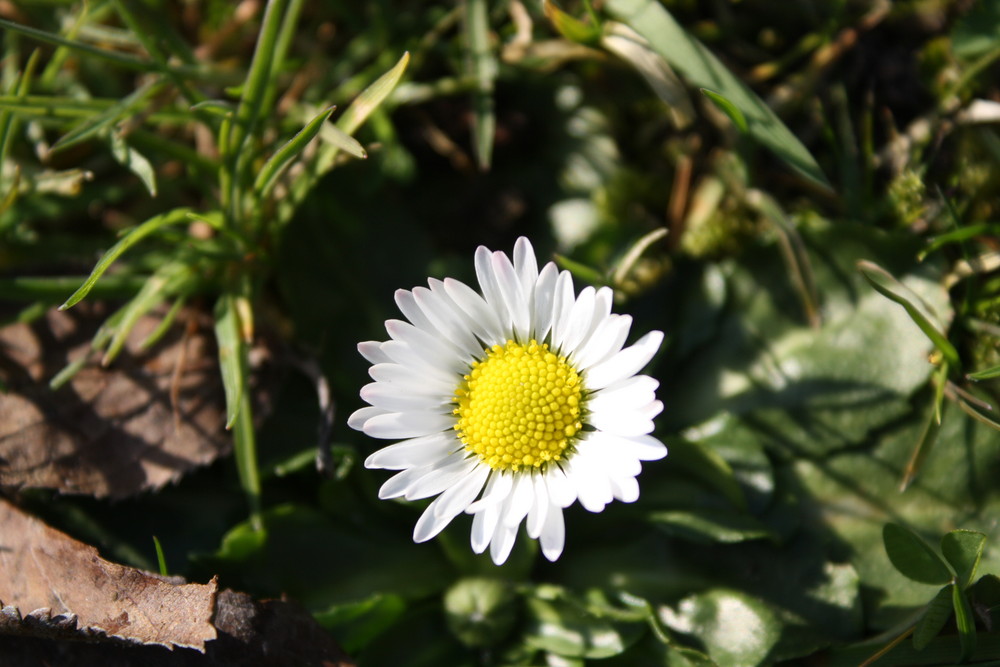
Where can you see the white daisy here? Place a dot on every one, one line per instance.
(510, 405)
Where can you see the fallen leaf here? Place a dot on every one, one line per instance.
(86, 611)
(110, 432)
(51, 574)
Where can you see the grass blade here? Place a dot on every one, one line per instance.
(161, 560)
(482, 63)
(250, 108)
(371, 97)
(985, 374)
(106, 118)
(239, 414)
(885, 284)
(728, 108)
(276, 165)
(965, 620)
(151, 226)
(651, 20)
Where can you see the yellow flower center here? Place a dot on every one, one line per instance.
(519, 407)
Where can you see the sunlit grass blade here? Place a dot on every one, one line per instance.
(164, 326)
(67, 373)
(286, 36)
(371, 97)
(340, 140)
(166, 281)
(629, 259)
(885, 284)
(570, 27)
(278, 162)
(585, 273)
(483, 66)
(728, 108)
(985, 374)
(102, 121)
(651, 20)
(161, 560)
(53, 290)
(151, 226)
(239, 415)
(134, 161)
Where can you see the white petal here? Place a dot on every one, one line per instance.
(519, 503)
(513, 296)
(606, 340)
(408, 306)
(592, 487)
(448, 505)
(525, 264)
(414, 452)
(553, 533)
(482, 318)
(407, 424)
(603, 299)
(539, 508)
(625, 489)
(484, 524)
(562, 307)
(561, 491)
(404, 355)
(626, 423)
(461, 495)
(432, 349)
(372, 351)
(626, 363)
(578, 324)
(543, 301)
(448, 320)
(497, 490)
(490, 287)
(396, 486)
(441, 477)
(359, 417)
(502, 543)
(641, 447)
(630, 393)
(414, 379)
(393, 397)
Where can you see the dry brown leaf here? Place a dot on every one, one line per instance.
(43, 569)
(61, 603)
(109, 432)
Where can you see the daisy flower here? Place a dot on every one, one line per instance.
(510, 404)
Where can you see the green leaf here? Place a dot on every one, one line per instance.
(936, 614)
(356, 624)
(339, 139)
(887, 285)
(278, 162)
(912, 557)
(711, 526)
(154, 224)
(735, 628)
(562, 627)
(482, 63)
(965, 620)
(728, 108)
(963, 550)
(135, 161)
(702, 69)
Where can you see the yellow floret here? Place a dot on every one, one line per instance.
(520, 407)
